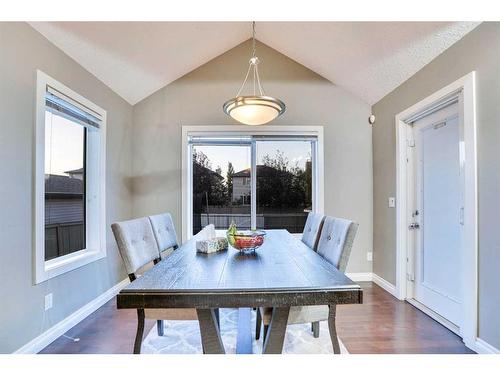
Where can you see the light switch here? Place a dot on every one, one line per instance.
(392, 202)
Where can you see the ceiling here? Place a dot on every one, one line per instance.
(369, 59)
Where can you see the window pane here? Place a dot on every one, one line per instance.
(284, 184)
(221, 186)
(65, 145)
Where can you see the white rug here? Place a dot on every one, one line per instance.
(183, 337)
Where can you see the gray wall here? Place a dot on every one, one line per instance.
(479, 51)
(22, 315)
(197, 98)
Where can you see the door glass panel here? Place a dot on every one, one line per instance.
(441, 209)
(221, 186)
(284, 184)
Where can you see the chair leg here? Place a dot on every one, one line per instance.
(315, 329)
(333, 330)
(258, 324)
(160, 327)
(217, 317)
(140, 331)
(266, 327)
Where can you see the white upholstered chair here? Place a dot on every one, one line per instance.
(164, 231)
(138, 242)
(312, 229)
(334, 244)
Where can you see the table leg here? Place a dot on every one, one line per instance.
(140, 331)
(333, 330)
(210, 333)
(244, 335)
(275, 337)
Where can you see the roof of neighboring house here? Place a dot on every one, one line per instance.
(74, 171)
(262, 170)
(56, 184)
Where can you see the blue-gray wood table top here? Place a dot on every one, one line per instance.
(282, 272)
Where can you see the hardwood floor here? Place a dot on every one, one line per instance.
(382, 324)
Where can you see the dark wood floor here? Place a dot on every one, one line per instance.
(381, 325)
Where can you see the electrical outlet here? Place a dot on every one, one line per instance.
(48, 301)
(391, 202)
(369, 256)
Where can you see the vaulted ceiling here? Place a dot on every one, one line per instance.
(369, 59)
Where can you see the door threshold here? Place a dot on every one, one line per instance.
(434, 315)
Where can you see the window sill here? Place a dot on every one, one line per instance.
(67, 263)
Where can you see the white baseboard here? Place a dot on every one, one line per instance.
(482, 347)
(47, 337)
(438, 318)
(370, 276)
(386, 285)
(360, 276)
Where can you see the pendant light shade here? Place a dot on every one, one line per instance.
(256, 109)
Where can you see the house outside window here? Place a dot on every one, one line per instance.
(70, 180)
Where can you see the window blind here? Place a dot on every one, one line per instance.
(70, 109)
(246, 140)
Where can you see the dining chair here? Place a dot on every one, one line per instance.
(334, 245)
(138, 247)
(164, 231)
(312, 229)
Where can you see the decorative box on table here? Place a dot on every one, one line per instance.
(211, 245)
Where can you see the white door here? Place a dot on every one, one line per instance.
(436, 220)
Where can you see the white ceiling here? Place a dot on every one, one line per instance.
(369, 59)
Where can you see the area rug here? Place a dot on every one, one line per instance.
(183, 337)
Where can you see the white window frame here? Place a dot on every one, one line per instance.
(244, 130)
(96, 245)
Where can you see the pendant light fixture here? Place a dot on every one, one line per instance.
(256, 109)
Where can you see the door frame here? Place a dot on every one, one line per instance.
(464, 88)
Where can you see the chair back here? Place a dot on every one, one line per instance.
(136, 243)
(335, 241)
(164, 231)
(312, 229)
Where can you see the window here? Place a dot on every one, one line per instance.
(65, 175)
(256, 180)
(69, 184)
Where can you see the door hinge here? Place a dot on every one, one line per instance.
(410, 277)
(410, 142)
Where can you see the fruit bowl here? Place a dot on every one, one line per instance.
(246, 240)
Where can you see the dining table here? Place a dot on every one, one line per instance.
(282, 273)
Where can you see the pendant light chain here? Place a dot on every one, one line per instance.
(254, 61)
(253, 39)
